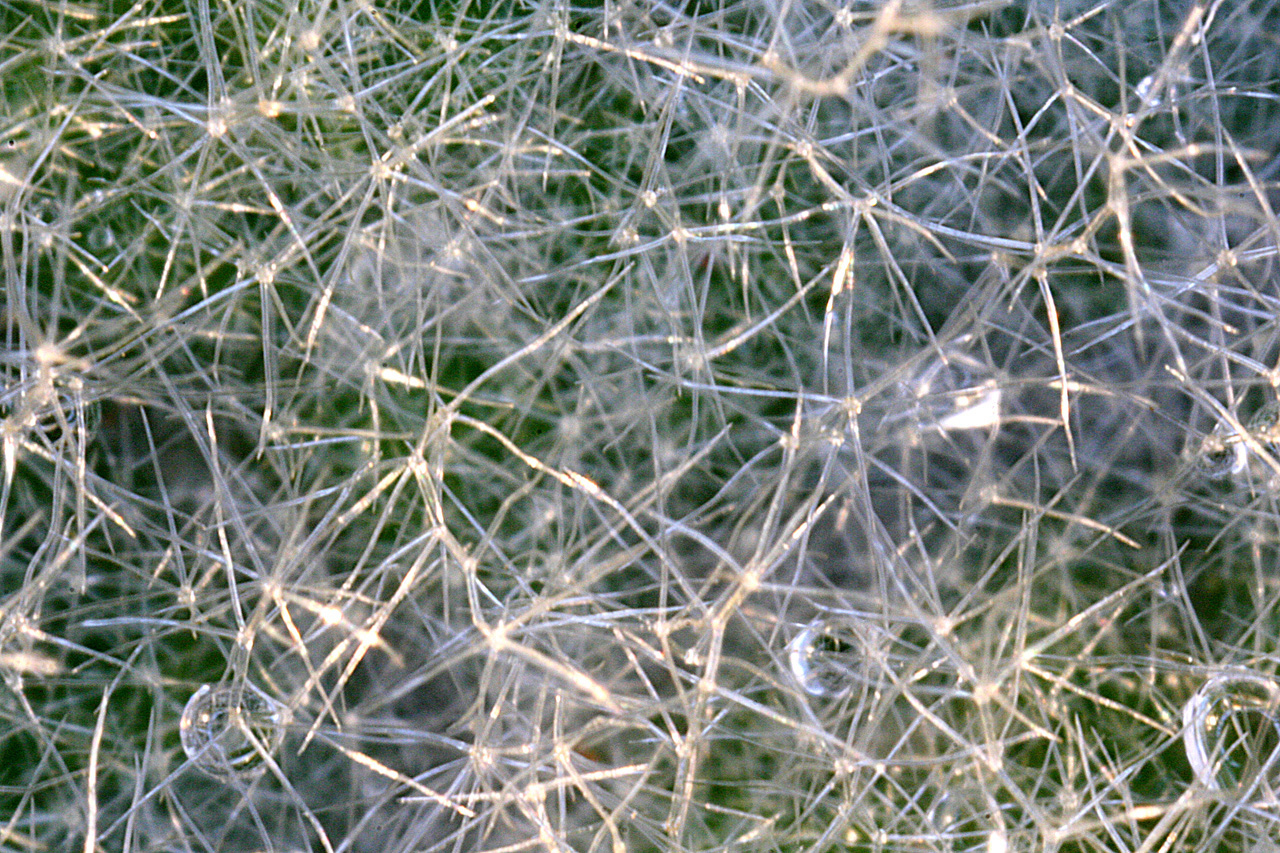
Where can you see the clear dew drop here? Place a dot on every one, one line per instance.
(101, 238)
(954, 392)
(1265, 425)
(960, 811)
(1231, 732)
(1222, 455)
(827, 656)
(1225, 453)
(226, 730)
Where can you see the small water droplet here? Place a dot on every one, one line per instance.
(226, 730)
(828, 655)
(1232, 732)
(1144, 89)
(953, 392)
(101, 238)
(1221, 454)
(1265, 425)
(960, 811)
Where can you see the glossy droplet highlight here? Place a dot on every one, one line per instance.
(827, 656)
(1222, 454)
(1265, 424)
(954, 392)
(227, 729)
(1232, 732)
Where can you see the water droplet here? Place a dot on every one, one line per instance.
(1144, 92)
(101, 238)
(960, 812)
(227, 730)
(828, 655)
(1232, 732)
(1222, 454)
(1265, 425)
(953, 392)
